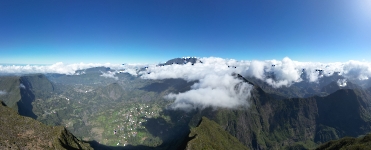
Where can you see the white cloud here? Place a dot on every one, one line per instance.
(215, 80)
(357, 70)
(59, 67)
(342, 82)
(216, 87)
(211, 91)
(22, 86)
(216, 91)
(109, 74)
(3, 92)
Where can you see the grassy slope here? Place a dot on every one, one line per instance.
(21, 132)
(10, 84)
(209, 135)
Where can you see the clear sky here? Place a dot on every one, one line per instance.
(152, 31)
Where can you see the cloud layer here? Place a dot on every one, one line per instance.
(216, 84)
(59, 67)
(109, 74)
(274, 72)
(216, 87)
(216, 91)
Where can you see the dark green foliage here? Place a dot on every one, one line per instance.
(360, 143)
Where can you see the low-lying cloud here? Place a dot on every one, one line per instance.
(216, 86)
(22, 86)
(3, 92)
(342, 82)
(61, 68)
(213, 74)
(216, 91)
(109, 74)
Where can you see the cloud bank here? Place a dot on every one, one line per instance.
(276, 73)
(68, 69)
(216, 91)
(216, 87)
(216, 84)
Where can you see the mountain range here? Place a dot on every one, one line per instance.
(130, 112)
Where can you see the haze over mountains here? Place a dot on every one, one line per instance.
(268, 104)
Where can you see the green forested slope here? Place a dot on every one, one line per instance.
(360, 143)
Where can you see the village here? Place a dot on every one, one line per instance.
(126, 125)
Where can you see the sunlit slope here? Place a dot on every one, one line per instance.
(209, 135)
(19, 132)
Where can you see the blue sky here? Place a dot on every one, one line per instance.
(152, 31)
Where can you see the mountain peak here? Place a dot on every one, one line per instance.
(181, 61)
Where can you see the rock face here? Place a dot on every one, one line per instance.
(19, 132)
(209, 135)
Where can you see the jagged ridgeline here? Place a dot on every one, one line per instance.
(297, 122)
(129, 112)
(19, 132)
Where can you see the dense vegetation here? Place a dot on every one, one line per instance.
(363, 142)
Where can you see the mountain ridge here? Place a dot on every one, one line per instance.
(26, 133)
(294, 121)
